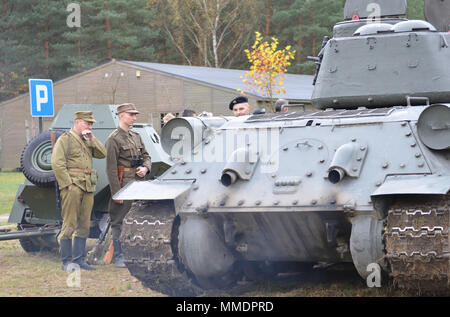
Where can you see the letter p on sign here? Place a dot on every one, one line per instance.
(41, 98)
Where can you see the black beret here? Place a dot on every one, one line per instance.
(238, 100)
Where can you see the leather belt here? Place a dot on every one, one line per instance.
(85, 171)
(128, 169)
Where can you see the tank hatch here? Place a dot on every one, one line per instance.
(374, 8)
(373, 28)
(437, 13)
(413, 26)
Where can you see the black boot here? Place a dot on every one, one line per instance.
(65, 246)
(79, 246)
(118, 255)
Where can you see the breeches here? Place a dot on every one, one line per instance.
(76, 212)
(117, 212)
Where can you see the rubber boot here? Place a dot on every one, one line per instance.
(79, 246)
(118, 255)
(65, 246)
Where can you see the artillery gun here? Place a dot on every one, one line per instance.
(365, 180)
(36, 209)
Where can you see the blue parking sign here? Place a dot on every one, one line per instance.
(41, 98)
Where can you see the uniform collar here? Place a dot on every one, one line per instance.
(123, 131)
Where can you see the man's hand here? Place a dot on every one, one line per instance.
(69, 188)
(141, 171)
(120, 202)
(87, 135)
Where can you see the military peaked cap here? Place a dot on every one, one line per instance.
(127, 107)
(85, 115)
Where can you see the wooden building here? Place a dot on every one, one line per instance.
(156, 89)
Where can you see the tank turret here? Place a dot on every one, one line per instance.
(379, 59)
(437, 12)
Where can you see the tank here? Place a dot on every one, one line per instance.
(365, 179)
(36, 209)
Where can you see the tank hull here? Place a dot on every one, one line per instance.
(283, 203)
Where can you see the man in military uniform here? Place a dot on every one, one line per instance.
(72, 165)
(240, 106)
(127, 160)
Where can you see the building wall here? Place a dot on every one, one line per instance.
(154, 94)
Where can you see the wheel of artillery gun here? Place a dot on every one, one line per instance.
(31, 245)
(417, 244)
(35, 161)
(47, 243)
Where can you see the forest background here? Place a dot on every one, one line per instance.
(57, 38)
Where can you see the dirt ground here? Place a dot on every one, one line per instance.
(24, 274)
(40, 274)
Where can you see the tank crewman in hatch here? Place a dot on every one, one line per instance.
(72, 164)
(126, 160)
(240, 106)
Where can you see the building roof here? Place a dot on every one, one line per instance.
(298, 87)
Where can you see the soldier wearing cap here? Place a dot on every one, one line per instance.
(240, 106)
(72, 164)
(279, 105)
(127, 160)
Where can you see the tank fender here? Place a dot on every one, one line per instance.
(347, 160)
(176, 190)
(414, 184)
(240, 165)
(203, 250)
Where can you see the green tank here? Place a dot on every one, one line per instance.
(36, 209)
(365, 179)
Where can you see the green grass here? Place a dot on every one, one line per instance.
(9, 182)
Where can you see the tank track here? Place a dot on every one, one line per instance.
(149, 243)
(417, 245)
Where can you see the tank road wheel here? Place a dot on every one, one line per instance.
(417, 244)
(35, 161)
(149, 243)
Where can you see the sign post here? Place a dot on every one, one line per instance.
(41, 99)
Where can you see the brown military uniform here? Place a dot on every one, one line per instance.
(121, 146)
(72, 164)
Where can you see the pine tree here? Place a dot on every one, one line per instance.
(30, 31)
(415, 10)
(112, 29)
(305, 22)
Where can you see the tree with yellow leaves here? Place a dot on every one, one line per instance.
(268, 64)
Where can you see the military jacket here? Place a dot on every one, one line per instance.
(72, 160)
(121, 146)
